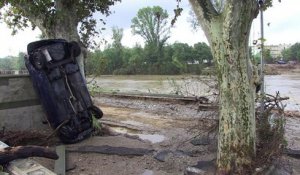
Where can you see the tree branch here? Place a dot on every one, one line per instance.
(29, 11)
(205, 13)
(208, 10)
(12, 153)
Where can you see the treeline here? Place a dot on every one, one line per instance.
(292, 53)
(13, 62)
(177, 58)
(156, 57)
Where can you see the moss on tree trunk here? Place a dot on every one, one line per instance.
(236, 144)
(227, 30)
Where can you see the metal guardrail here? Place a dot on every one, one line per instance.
(13, 72)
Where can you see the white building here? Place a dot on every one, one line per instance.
(275, 50)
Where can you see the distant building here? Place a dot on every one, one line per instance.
(275, 50)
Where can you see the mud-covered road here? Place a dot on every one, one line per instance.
(166, 127)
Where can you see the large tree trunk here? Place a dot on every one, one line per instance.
(65, 31)
(236, 144)
(63, 25)
(228, 33)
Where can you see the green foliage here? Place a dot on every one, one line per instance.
(178, 58)
(117, 37)
(270, 130)
(13, 62)
(267, 56)
(292, 53)
(202, 53)
(96, 63)
(151, 24)
(256, 58)
(96, 123)
(48, 14)
(155, 57)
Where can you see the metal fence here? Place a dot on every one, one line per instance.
(13, 72)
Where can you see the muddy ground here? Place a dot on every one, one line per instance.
(142, 137)
(173, 136)
(173, 133)
(167, 128)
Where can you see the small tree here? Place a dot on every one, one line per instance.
(292, 53)
(202, 52)
(267, 56)
(117, 47)
(152, 25)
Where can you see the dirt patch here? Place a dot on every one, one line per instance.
(136, 124)
(189, 139)
(276, 69)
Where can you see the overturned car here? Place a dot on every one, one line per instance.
(61, 88)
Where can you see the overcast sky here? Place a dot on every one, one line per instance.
(283, 21)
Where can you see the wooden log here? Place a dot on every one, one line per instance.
(11, 153)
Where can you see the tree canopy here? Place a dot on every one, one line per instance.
(177, 58)
(55, 17)
(58, 19)
(292, 53)
(13, 62)
(151, 24)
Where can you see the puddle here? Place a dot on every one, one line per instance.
(288, 86)
(124, 130)
(132, 122)
(153, 138)
(148, 172)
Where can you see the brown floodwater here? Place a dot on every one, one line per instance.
(287, 85)
(160, 84)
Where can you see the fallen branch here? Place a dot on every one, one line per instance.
(275, 98)
(105, 149)
(11, 153)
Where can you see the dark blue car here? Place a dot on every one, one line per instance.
(61, 88)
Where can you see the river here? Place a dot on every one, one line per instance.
(287, 84)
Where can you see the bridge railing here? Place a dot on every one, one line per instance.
(13, 72)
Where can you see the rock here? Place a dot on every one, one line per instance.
(279, 171)
(292, 153)
(182, 153)
(202, 167)
(200, 141)
(213, 146)
(162, 155)
(206, 165)
(194, 171)
(280, 167)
